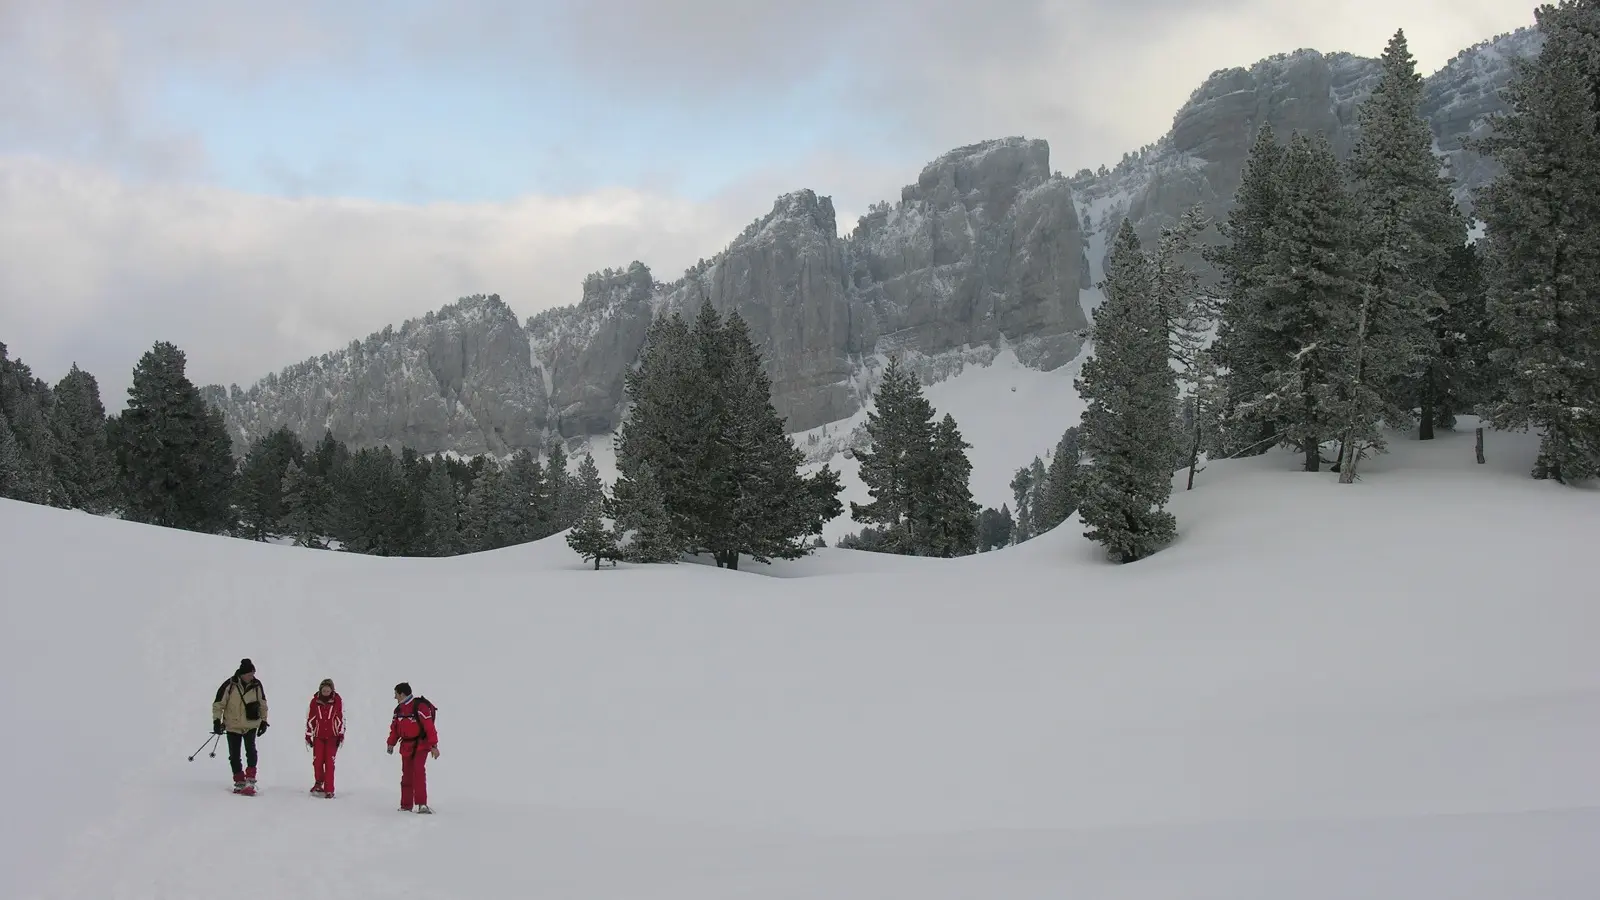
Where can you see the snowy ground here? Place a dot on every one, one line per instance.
(1386, 690)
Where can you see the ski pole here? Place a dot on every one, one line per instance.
(210, 740)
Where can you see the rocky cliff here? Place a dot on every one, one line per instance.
(987, 249)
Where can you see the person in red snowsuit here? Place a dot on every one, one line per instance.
(413, 729)
(324, 734)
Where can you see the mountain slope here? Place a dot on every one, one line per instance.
(988, 251)
(1401, 701)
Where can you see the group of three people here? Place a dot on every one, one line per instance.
(240, 712)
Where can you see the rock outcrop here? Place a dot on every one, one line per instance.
(987, 249)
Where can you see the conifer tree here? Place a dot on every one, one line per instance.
(528, 499)
(901, 430)
(174, 456)
(994, 528)
(1056, 498)
(1127, 428)
(586, 487)
(441, 514)
(305, 498)
(564, 506)
(943, 502)
(84, 470)
(483, 523)
(1542, 246)
(10, 460)
(1409, 224)
(1461, 374)
(261, 482)
(644, 529)
(591, 538)
(1309, 277)
(1248, 344)
(1022, 493)
(26, 402)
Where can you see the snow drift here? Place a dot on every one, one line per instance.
(1381, 690)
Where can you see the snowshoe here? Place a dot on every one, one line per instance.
(317, 788)
(327, 795)
(424, 810)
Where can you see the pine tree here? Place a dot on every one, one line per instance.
(775, 509)
(1308, 275)
(305, 500)
(84, 470)
(644, 529)
(26, 402)
(947, 514)
(174, 456)
(659, 432)
(1461, 375)
(261, 482)
(1409, 225)
(1022, 493)
(441, 512)
(1057, 498)
(587, 488)
(901, 430)
(483, 524)
(1542, 247)
(591, 537)
(528, 499)
(994, 528)
(1127, 428)
(10, 460)
(564, 505)
(1248, 344)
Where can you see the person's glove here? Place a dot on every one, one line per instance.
(262, 730)
(435, 752)
(308, 740)
(339, 743)
(216, 726)
(391, 749)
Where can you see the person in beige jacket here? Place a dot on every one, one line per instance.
(240, 712)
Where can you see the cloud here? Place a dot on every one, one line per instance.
(110, 238)
(94, 269)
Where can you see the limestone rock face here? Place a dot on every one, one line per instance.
(987, 249)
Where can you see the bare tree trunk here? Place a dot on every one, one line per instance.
(1347, 463)
(1480, 445)
(1425, 427)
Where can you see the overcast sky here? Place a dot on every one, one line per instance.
(261, 182)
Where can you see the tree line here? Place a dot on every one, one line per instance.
(167, 459)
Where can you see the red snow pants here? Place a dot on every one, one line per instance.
(322, 753)
(413, 774)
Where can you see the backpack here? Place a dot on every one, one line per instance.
(418, 703)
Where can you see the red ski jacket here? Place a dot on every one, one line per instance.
(413, 722)
(325, 720)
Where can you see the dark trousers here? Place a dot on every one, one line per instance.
(248, 739)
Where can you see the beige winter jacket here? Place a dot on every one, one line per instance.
(236, 700)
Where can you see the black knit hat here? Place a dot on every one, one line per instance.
(403, 688)
(245, 665)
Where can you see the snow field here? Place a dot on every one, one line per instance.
(1321, 691)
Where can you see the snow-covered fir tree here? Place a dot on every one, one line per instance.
(441, 512)
(83, 468)
(703, 436)
(529, 501)
(564, 505)
(1126, 430)
(1056, 497)
(1408, 226)
(174, 456)
(586, 488)
(994, 528)
(900, 429)
(591, 537)
(10, 460)
(305, 499)
(1022, 493)
(25, 402)
(1247, 344)
(1309, 278)
(1461, 373)
(944, 500)
(644, 527)
(1542, 247)
(260, 487)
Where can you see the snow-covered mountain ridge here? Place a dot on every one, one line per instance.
(988, 254)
